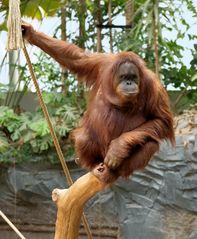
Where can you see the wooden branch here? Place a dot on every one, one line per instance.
(70, 202)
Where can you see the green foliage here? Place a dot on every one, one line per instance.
(30, 130)
(47, 71)
(3, 27)
(185, 103)
(35, 8)
(4, 145)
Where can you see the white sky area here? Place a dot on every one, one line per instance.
(48, 26)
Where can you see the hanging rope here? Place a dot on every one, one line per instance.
(15, 41)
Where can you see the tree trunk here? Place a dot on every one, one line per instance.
(98, 19)
(155, 37)
(64, 73)
(110, 23)
(82, 38)
(129, 11)
(82, 17)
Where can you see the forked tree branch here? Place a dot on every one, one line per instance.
(70, 202)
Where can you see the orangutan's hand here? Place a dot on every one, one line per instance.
(27, 31)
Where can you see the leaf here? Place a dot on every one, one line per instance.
(15, 135)
(68, 113)
(194, 78)
(63, 129)
(9, 119)
(50, 7)
(39, 145)
(34, 145)
(3, 27)
(39, 8)
(3, 109)
(28, 136)
(13, 124)
(185, 23)
(31, 9)
(47, 141)
(3, 142)
(47, 97)
(40, 127)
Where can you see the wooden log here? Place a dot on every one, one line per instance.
(70, 202)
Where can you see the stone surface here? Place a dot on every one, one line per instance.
(159, 202)
(25, 198)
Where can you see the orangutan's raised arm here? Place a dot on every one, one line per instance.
(85, 64)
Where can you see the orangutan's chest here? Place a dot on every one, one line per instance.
(113, 121)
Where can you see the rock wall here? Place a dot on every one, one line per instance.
(159, 202)
(25, 197)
